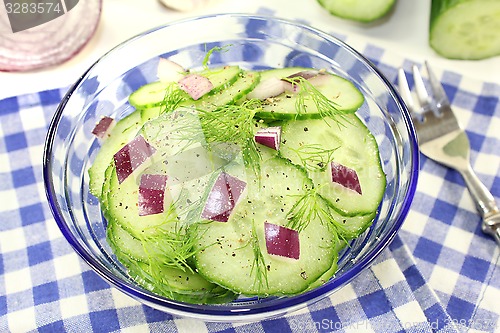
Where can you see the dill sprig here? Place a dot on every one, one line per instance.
(303, 211)
(173, 97)
(167, 244)
(307, 91)
(314, 156)
(209, 53)
(233, 124)
(259, 264)
(312, 206)
(328, 215)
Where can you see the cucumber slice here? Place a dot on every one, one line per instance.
(343, 95)
(124, 131)
(465, 29)
(123, 209)
(358, 10)
(232, 94)
(238, 259)
(315, 143)
(149, 270)
(153, 94)
(245, 83)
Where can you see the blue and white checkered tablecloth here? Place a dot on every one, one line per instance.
(439, 274)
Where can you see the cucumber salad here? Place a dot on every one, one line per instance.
(226, 182)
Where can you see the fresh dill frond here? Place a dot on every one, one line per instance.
(326, 214)
(314, 156)
(259, 265)
(209, 53)
(304, 210)
(307, 91)
(167, 244)
(234, 124)
(312, 206)
(173, 97)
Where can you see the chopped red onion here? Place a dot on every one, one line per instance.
(307, 74)
(40, 44)
(282, 241)
(268, 88)
(223, 197)
(169, 71)
(270, 137)
(103, 128)
(151, 194)
(313, 76)
(195, 85)
(131, 156)
(345, 176)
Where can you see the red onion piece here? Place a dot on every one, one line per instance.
(291, 87)
(103, 128)
(268, 88)
(169, 71)
(319, 79)
(282, 241)
(151, 194)
(49, 43)
(195, 85)
(310, 75)
(270, 137)
(307, 74)
(223, 197)
(345, 176)
(131, 156)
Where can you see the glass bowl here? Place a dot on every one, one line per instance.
(256, 43)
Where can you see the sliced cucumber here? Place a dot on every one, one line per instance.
(154, 94)
(315, 143)
(333, 94)
(179, 253)
(124, 131)
(358, 10)
(122, 207)
(238, 258)
(245, 83)
(465, 29)
(149, 270)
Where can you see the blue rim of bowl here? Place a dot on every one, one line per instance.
(278, 306)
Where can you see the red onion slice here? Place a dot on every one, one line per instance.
(103, 128)
(307, 74)
(131, 156)
(169, 71)
(270, 137)
(223, 197)
(195, 85)
(268, 88)
(282, 241)
(49, 43)
(345, 176)
(151, 194)
(310, 75)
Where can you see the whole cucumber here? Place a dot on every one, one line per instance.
(358, 10)
(465, 29)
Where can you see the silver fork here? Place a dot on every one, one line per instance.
(442, 140)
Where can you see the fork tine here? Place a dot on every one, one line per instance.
(404, 90)
(437, 89)
(422, 95)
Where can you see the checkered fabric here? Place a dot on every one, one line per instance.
(441, 273)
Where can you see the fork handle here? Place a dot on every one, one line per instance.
(485, 203)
